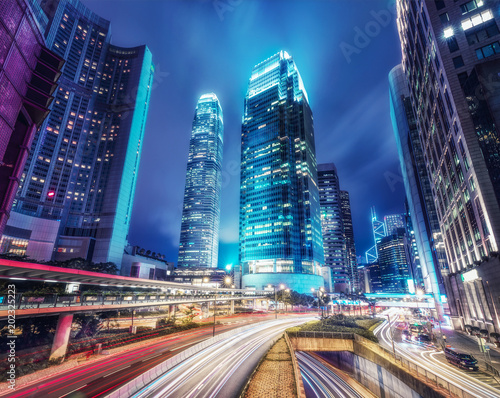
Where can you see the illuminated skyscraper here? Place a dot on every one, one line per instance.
(393, 222)
(379, 231)
(199, 241)
(429, 260)
(451, 59)
(85, 158)
(334, 240)
(393, 262)
(280, 223)
(350, 246)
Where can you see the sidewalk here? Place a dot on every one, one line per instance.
(469, 345)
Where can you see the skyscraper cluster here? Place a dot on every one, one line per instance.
(77, 188)
(444, 100)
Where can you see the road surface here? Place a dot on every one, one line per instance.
(100, 378)
(223, 369)
(320, 381)
(478, 384)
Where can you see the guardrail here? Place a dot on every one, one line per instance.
(322, 335)
(410, 366)
(56, 300)
(152, 374)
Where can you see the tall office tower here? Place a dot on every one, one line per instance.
(351, 259)
(199, 241)
(420, 202)
(379, 231)
(393, 222)
(85, 157)
(374, 277)
(28, 77)
(332, 226)
(451, 62)
(393, 263)
(280, 221)
(412, 254)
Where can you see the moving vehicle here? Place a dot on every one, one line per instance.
(406, 335)
(457, 358)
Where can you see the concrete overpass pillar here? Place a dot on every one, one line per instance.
(61, 338)
(254, 303)
(231, 311)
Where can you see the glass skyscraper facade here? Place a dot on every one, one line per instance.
(334, 240)
(280, 223)
(430, 261)
(451, 62)
(199, 240)
(85, 157)
(350, 246)
(393, 222)
(393, 262)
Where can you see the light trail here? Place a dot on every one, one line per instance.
(322, 380)
(453, 376)
(219, 370)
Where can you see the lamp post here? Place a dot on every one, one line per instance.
(319, 294)
(227, 281)
(281, 286)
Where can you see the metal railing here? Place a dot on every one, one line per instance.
(68, 300)
(322, 335)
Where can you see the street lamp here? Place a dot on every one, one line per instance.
(319, 294)
(281, 286)
(227, 281)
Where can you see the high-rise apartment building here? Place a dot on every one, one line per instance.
(451, 62)
(429, 260)
(28, 77)
(84, 160)
(393, 263)
(199, 241)
(393, 222)
(280, 222)
(334, 240)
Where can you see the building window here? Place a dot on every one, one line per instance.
(452, 44)
(485, 32)
(471, 6)
(477, 19)
(488, 51)
(458, 62)
(444, 18)
(440, 4)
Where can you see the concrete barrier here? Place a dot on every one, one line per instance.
(299, 385)
(146, 378)
(375, 367)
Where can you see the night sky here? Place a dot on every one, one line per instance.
(204, 46)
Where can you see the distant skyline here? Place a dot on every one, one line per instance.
(344, 50)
